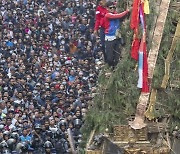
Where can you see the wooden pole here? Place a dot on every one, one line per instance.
(71, 141)
(170, 55)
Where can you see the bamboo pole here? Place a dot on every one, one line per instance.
(170, 55)
(90, 138)
(150, 111)
(71, 141)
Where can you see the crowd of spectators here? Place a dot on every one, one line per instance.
(49, 63)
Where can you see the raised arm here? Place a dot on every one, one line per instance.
(116, 16)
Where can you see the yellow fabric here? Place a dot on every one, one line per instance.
(146, 7)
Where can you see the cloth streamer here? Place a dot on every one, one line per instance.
(146, 7)
(135, 48)
(138, 50)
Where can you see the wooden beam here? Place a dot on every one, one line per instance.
(90, 139)
(170, 55)
(71, 141)
(150, 111)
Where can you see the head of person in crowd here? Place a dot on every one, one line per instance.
(102, 2)
(110, 6)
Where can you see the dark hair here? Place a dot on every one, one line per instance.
(109, 3)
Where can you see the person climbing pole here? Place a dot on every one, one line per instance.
(99, 24)
(112, 42)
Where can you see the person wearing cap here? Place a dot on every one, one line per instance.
(37, 138)
(112, 24)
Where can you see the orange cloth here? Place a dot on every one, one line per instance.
(73, 48)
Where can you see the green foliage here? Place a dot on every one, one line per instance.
(116, 99)
(117, 96)
(168, 100)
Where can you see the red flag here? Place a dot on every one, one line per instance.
(135, 48)
(134, 24)
(145, 87)
(135, 15)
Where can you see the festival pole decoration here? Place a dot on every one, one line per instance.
(138, 50)
(139, 53)
(134, 24)
(138, 122)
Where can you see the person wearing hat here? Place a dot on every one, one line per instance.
(48, 147)
(76, 131)
(37, 139)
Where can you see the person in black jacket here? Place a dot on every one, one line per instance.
(37, 139)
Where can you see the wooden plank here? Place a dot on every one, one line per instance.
(157, 127)
(153, 53)
(90, 138)
(71, 141)
(93, 152)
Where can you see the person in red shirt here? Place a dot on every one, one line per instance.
(112, 42)
(99, 23)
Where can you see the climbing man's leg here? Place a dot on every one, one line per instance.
(109, 52)
(117, 51)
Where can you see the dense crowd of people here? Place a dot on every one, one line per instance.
(49, 63)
